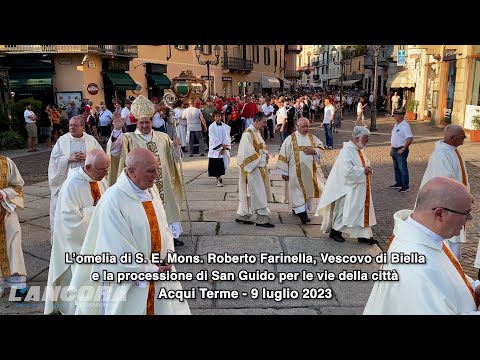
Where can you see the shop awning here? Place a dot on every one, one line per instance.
(31, 81)
(401, 79)
(344, 83)
(120, 80)
(160, 80)
(270, 82)
(285, 81)
(334, 82)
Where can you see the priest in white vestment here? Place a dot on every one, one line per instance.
(254, 182)
(169, 181)
(77, 199)
(346, 203)
(12, 265)
(435, 284)
(299, 165)
(69, 152)
(219, 144)
(129, 218)
(114, 147)
(447, 160)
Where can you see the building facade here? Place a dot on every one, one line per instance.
(63, 73)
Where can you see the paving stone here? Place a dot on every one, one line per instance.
(213, 187)
(200, 228)
(36, 190)
(36, 241)
(43, 203)
(206, 195)
(197, 205)
(278, 230)
(341, 310)
(42, 222)
(238, 244)
(32, 213)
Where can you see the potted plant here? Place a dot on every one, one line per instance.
(411, 109)
(475, 133)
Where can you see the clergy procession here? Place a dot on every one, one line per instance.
(129, 198)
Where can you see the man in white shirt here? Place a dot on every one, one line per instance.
(195, 125)
(434, 283)
(282, 119)
(105, 120)
(32, 130)
(401, 139)
(268, 109)
(327, 123)
(125, 114)
(395, 101)
(360, 113)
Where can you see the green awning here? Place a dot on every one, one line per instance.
(31, 81)
(161, 81)
(120, 80)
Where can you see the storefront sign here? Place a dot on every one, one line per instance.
(206, 77)
(118, 65)
(227, 78)
(91, 64)
(401, 57)
(92, 89)
(449, 54)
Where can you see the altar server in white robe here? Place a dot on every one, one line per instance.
(346, 203)
(219, 144)
(77, 199)
(447, 160)
(129, 218)
(299, 165)
(435, 284)
(12, 265)
(69, 152)
(254, 182)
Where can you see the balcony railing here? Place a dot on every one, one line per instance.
(118, 50)
(233, 63)
(43, 48)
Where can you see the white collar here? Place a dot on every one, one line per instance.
(434, 236)
(80, 139)
(142, 135)
(143, 195)
(85, 175)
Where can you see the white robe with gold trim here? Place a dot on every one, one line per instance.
(120, 225)
(345, 195)
(433, 288)
(169, 181)
(254, 190)
(11, 253)
(306, 180)
(58, 166)
(73, 213)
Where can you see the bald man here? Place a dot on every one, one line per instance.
(299, 165)
(77, 199)
(447, 160)
(129, 218)
(431, 280)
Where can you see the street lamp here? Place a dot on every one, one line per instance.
(342, 62)
(373, 120)
(216, 50)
